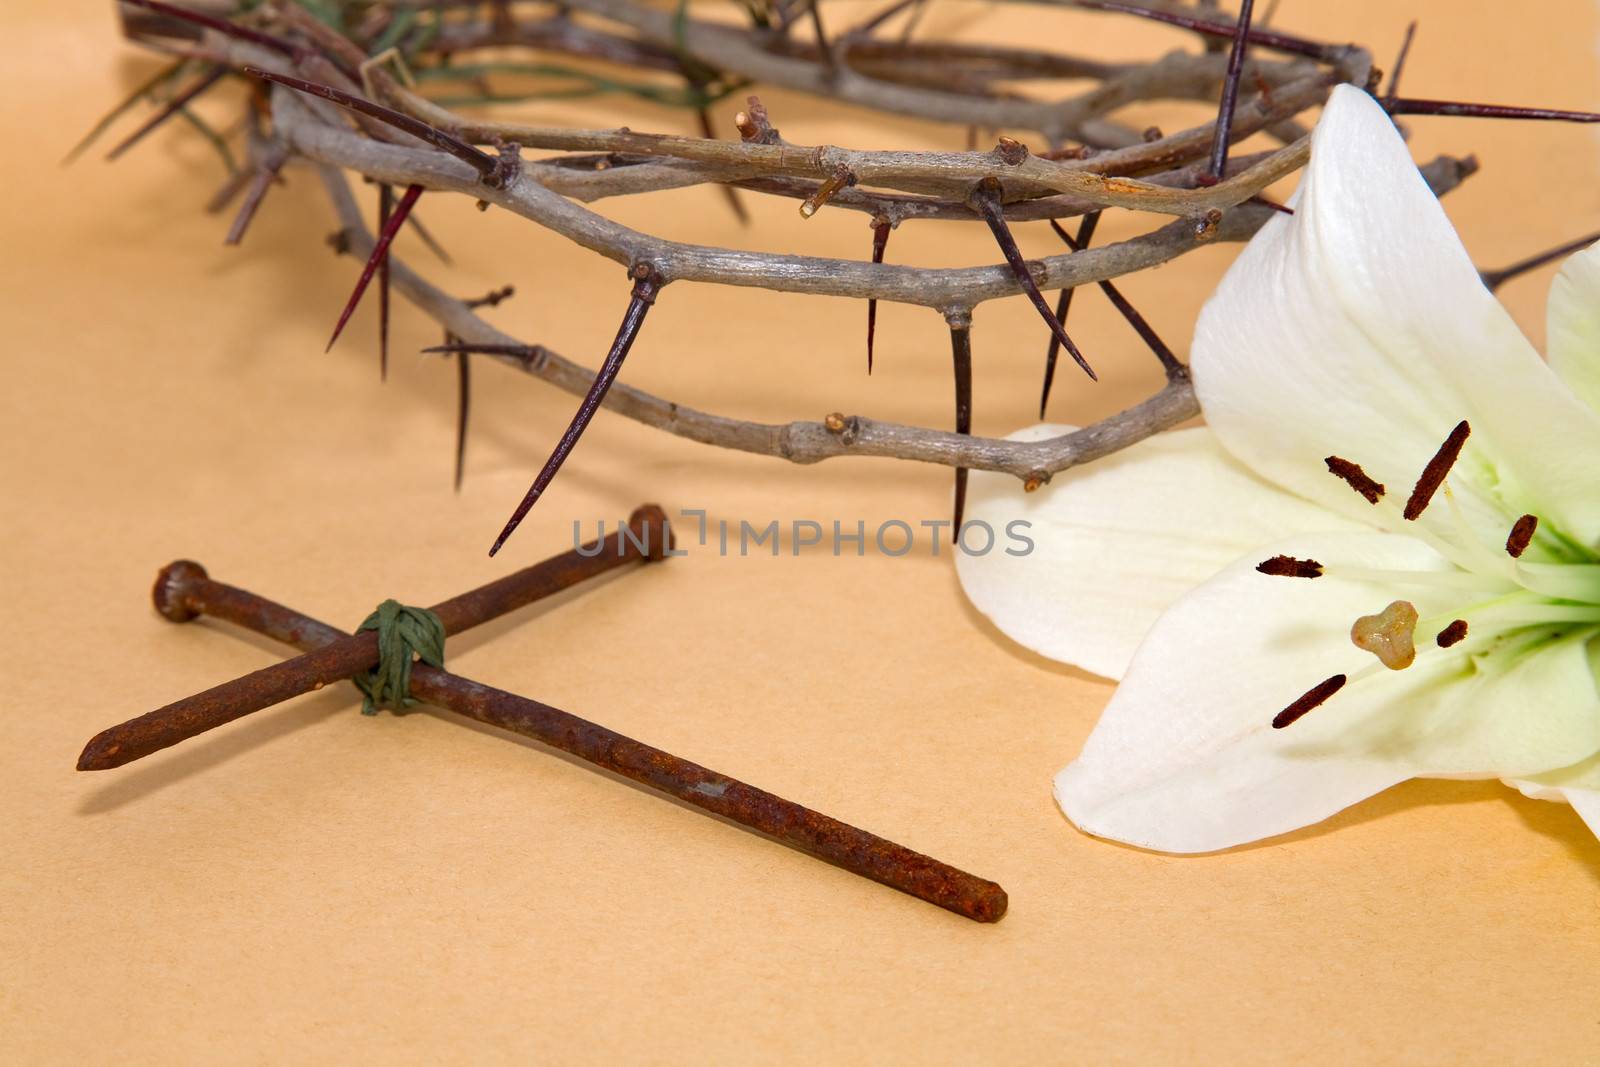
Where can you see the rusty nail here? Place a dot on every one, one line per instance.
(184, 592)
(650, 539)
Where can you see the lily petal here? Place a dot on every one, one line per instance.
(1359, 327)
(1185, 759)
(1573, 325)
(1116, 542)
(1586, 802)
(1578, 785)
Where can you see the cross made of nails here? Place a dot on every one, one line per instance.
(184, 591)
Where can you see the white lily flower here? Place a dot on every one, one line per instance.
(1354, 335)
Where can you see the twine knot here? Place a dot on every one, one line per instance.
(403, 633)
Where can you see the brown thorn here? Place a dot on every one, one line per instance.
(1064, 304)
(872, 22)
(985, 199)
(880, 241)
(265, 175)
(532, 355)
(961, 360)
(493, 298)
(1170, 363)
(426, 237)
(385, 209)
(171, 108)
(1356, 478)
(231, 187)
(729, 193)
(1281, 42)
(1494, 279)
(380, 252)
(490, 169)
(144, 89)
(1399, 66)
(1310, 701)
(463, 405)
(1438, 468)
(646, 285)
(1406, 106)
(1230, 92)
(830, 62)
(221, 25)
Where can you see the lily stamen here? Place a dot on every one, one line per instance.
(1310, 701)
(1456, 579)
(1290, 567)
(1356, 478)
(1434, 474)
(1452, 634)
(1485, 558)
(1521, 535)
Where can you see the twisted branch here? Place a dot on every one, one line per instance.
(1111, 167)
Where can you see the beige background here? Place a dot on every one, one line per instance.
(313, 885)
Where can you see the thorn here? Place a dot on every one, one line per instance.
(171, 108)
(1399, 66)
(646, 285)
(1170, 363)
(426, 236)
(1494, 279)
(913, 22)
(221, 25)
(493, 298)
(1281, 42)
(380, 253)
(729, 193)
(866, 27)
(231, 187)
(1407, 106)
(986, 200)
(880, 241)
(1063, 305)
(529, 354)
(463, 404)
(385, 209)
(490, 169)
(1230, 91)
(830, 63)
(961, 359)
(160, 77)
(266, 174)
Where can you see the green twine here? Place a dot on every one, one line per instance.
(402, 632)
